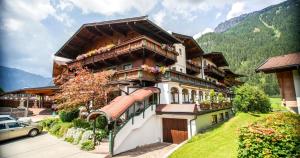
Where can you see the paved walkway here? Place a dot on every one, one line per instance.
(42, 146)
(157, 150)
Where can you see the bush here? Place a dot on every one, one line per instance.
(100, 134)
(68, 116)
(101, 122)
(64, 128)
(277, 135)
(81, 123)
(87, 146)
(48, 123)
(251, 99)
(69, 139)
(54, 130)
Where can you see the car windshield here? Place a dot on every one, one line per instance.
(13, 124)
(5, 118)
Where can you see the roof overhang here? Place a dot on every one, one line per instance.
(217, 58)
(49, 90)
(89, 32)
(193, 49)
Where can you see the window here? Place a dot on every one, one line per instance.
(185, 96)
(180, 51)
(2, 126)
(174, 95)
(13, 125)
(214, 119)
(200, 95)
(174, 68)
(226, 115)
(205, 63)
(221, 117)
(127, 66)
(180, 69)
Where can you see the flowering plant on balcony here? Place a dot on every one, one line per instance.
(155, 69)
(96, 51)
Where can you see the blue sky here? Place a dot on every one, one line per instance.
(31, 31)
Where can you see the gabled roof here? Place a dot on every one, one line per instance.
(217, 58)
(87, 33)
(229, 73)
(280, 63)
(192, 47)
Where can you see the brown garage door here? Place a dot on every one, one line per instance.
(174, 130)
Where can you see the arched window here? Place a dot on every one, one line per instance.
(200, 96)
(174, 95)
(185, 96)
(193, 96)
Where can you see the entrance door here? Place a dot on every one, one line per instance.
(174, 130)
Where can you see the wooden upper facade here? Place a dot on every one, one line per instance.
(126, 45)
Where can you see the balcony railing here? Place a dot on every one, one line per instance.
(192, 80)
(213, 72)
(191, 67)
(214, 106)
(134, 74)
(130, 46)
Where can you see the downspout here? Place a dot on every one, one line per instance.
(191, 124)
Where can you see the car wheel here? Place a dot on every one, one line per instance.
(33, 132)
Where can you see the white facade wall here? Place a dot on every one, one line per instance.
(296, 77)
(180, 65)
(204, 121)
(142, 132)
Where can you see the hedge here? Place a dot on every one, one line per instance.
(68, 116)
(278, 135)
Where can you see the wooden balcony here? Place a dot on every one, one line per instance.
(139, 47)
(136, 74)
(192, 68)
(192, 80)
(214, 72)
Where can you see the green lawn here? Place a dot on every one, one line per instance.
(221, 141)
(276, 104)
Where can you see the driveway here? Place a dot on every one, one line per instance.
(157, 150)
(42, 146)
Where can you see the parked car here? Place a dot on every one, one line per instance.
(21, 119)
(11, 129)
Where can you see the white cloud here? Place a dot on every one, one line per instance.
(218, 15)
(11, 24)
(159, 17)
(111, 7)
(236, 9)
(206, 30)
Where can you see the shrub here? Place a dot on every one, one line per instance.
(221, 97)
(100, 134)
(88, 145)
(48, 123)
(251, 99)
(68, 116)
(64, 128)
(69, 139)
(54, 130)
(81, 123)
(101, 122)
(277, 135)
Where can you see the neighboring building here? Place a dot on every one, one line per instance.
(37, 97)
(287, 69)
(167, 78)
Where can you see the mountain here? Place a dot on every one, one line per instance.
(13, 79)
(250, 39)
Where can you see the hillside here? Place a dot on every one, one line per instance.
(249, 40)
(12, 79)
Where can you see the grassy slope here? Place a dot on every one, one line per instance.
(221, 141)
